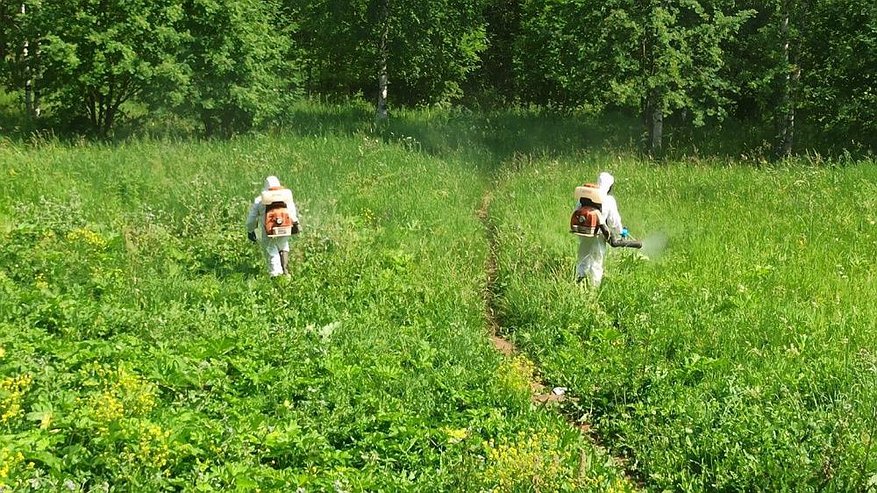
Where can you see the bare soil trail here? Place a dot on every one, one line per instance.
(542, 392)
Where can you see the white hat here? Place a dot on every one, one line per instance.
(272, 182)
(605, 182)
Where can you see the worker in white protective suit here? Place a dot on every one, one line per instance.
(592, 250)
(274, 214)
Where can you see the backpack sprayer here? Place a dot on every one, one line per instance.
(587, 219)
(277, 221)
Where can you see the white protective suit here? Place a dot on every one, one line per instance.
(592, 250)
(270, 246)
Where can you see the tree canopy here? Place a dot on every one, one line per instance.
(793, 69)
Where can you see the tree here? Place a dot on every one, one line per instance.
(19, 50)
(809, 67)
(11, 39)
(837, 71)
(767, 68)
(495, 77)
(236, 54)
(418, 51)
(98, 54)
(383, 59)
(653, 55)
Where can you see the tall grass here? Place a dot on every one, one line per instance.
(142, 346)
(741, 358)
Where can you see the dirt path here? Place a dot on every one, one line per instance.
(542, 392)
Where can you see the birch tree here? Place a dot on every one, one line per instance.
(404, 51)
(658, 57)
(19, 54)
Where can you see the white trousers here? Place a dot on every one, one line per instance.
(272, 247)
(590, 259)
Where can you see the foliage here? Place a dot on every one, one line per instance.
(831, 46)
(649, 56)
(495, 83)
(796, 75)
(840, 96)
(97, 55)
(11, 37)
(432, 46)
(236, 56)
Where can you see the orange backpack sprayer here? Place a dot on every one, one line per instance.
(587, 219)
(278, 222)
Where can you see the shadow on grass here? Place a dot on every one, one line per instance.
(221, 268)
(486, 139)
(491, 138)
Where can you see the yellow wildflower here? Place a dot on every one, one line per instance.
(90, 237)
(13, 389)
(107, 409)
(456, 435)
(517, 373)
(151, 449)
(9, 460)
(531, 461)
(40, 282)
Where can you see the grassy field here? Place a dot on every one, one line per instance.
(142, 348)
(741, 356)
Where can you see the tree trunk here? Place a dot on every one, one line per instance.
(383, 78)
(653, 117)
(109, 119)
(791, 76)
(28, 83)
(653, 108)
(209, 124)
(789, 118)
(35, 86)
(656, 131)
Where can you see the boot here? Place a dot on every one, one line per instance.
(284, 262)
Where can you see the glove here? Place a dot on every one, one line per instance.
(625, 233)
(251, 236)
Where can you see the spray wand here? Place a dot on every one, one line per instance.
(625, 241)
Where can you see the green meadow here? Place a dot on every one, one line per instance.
(143, 347)
(738, 353)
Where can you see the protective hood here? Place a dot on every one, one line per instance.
(271, 182)
(605, 182)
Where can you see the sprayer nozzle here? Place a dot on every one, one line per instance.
(618, 243)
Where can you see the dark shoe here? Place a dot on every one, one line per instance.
(284, 262)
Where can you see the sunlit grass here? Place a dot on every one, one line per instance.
(143, 346)
(157, 353)
(740, 356)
